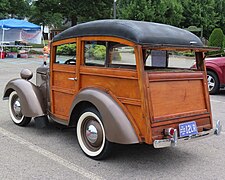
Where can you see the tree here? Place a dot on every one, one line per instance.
(46, 13)
(14, 9)
(4, 5)
(18, 8)
(216, 38)
(168, 12)
(220, 6)
(79, 11)
(136, 10)
(200, 13)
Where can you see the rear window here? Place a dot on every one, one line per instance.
(158, 59)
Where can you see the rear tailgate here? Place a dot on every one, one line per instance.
(178, 97)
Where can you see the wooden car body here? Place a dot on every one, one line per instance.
(138, 101)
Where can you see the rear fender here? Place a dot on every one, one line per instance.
(31, 98)
(117, 126)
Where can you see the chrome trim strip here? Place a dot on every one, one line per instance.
(175, 140)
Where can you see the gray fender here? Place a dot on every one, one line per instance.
(30, 96)
(117, 126)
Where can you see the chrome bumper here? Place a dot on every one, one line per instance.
(173, 141)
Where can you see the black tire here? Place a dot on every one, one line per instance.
(213, 82)
(91, 135)
(15, 110)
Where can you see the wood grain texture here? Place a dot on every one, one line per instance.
(152, 100)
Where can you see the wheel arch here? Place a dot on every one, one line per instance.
(118, 127)
(218, 73)
(30, 96)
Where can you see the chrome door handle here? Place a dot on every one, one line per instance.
(73, 79)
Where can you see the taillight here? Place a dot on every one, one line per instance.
(169, 132)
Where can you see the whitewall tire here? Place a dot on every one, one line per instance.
(91, 135)
(15, 110)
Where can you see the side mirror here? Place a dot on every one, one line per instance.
(26, 74)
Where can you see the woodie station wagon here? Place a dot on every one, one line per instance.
(119, 81)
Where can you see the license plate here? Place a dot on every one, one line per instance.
(188, 129)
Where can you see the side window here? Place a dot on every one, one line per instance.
(121, 56)
(95, 53)
(66, 54)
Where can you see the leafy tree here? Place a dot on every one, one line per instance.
(200, 13)
(78, 11)
(136, 9)
(4, 5)
(46, 13)
(220, 6)
(14, 8)
(168, 12)
(216, 38)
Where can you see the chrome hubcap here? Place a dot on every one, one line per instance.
(91, 133)
(17, 107)
(211, 82)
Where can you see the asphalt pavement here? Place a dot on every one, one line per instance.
(53, 152)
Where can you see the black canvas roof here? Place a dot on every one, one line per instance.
(140, 32)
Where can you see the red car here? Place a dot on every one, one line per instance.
(215, 74)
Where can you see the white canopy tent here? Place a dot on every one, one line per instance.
(20, 30)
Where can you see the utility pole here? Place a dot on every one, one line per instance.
(114, 9)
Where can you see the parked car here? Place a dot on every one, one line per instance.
(118, 83)
(215, 74)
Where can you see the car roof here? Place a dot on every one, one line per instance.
(140, 32)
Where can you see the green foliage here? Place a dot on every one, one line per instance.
(46, 13)
(207, 14)
(200, 13)
(216, 38)
(99, 52)
(136, 9)
(78, 11)
(14, 9)
(168, 12)
(67, 49)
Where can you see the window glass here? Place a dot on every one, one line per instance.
(168, 59)
(121, 55)
(95, 53)
(66, 54)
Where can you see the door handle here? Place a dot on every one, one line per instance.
(73, 79)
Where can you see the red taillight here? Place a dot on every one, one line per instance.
(169, 132)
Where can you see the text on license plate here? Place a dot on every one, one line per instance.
(188, 129)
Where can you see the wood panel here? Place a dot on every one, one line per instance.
(175, 97)
(62, 103)
(120, 85)
(136, 113)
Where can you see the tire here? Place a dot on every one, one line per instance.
(91, 135)
(213, 82)
(15, 110)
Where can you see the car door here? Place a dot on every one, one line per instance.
(63, 84)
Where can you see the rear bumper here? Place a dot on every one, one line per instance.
(175, 140)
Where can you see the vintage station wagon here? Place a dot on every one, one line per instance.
(119, 81)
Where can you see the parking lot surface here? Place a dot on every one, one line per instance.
(53, 152)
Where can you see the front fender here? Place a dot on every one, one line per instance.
(117, 126)
(32, 102)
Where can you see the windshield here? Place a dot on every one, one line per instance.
(162, 59)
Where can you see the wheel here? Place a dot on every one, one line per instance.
(213, 82)
(70, 61)
(91, 135)
(15, 110)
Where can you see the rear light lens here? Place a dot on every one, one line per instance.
(169, 132)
